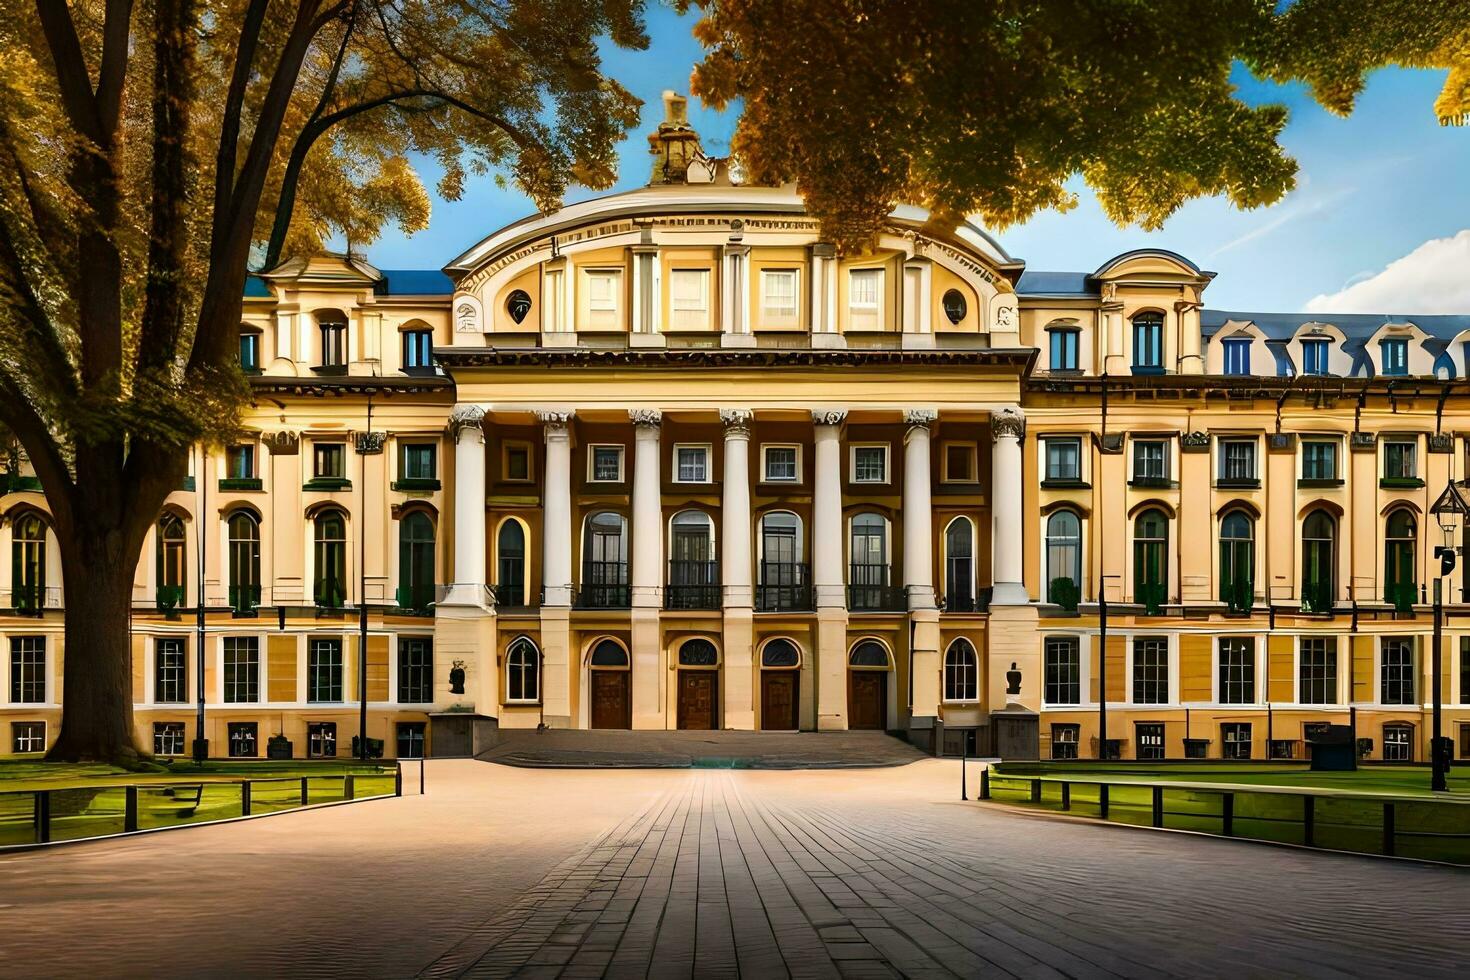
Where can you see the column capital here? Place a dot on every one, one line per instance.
(649, 417)
(829, 416)
(923, 417)
(465, 416)
(1007, 423)
(555, 422)
(369, 443)
(737, 422)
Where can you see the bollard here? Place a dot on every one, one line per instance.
(1035, 791)
(964, 757)
(985, 783)
(305, 794)
(1309, 830)
(1388, 832)
(1102, 800)
(43, 816)
(421, 777)
(1228, 815)
(398, 779)
(1066, 796)
(130, 809)
(245, 798)
(349, 787)
(1158, 806)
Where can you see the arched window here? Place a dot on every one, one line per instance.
(868, 653)
(1319, 561)
(867, 579)
(694, 578)
(172, 565)
(1400, 541)
(698, 652)
(1237, 560)
(522, 671)
(780, 652)
(244, 585)
(1064, 558)
(1148, 343)
(28, 563)
(783, 579)
(510, 565)
(331, 559)
(1150, 559)
(415, 561)
(959, 565)
(608, 653)
(961, 668)
(605, 562)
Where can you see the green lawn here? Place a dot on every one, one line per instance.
(1394, 780)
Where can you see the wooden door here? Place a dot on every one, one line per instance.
(699, 699)
(778, 700)
(867, 700)
(611, 703)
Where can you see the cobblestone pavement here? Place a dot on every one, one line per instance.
(869, 873)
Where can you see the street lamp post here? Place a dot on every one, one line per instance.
(1448, 511)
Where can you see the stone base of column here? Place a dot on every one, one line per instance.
(1009, 594)
(918, 341)
(466, 634)
(831, 654)
(647, 340)
(559, 662)
(737, 340)
(558, 339)
(649, 680)
(927, 662)
(1011, 637)
(465, 594)
(829, 341)
(738, 680)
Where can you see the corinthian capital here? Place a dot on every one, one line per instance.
(646, 416)
(555, 422)
(829, 416)
(465, 416)
(1007, 423)
(737, 421)
(920, 416)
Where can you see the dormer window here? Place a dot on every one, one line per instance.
(1237, 356)
(1148, 343)
(1395, 351)
(418, 346)
(334, 344)
(1063, 348)
(1314, 355)
(250, 351)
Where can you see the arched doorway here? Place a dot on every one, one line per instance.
(699, 685)
(611, 690)
(780, 684)
(867, 686)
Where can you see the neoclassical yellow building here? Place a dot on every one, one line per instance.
(663, 460)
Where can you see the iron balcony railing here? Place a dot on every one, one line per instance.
(1316, 596)
(169, 597)
(244, 598)
(329, 593)
(693, 585)
(509, 595)
(784, 587)
(868, 590)
(26, 598)
(604, 585)
(1151, 596)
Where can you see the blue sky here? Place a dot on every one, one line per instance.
(1386, 183)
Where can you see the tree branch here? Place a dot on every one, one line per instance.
(70, 67)
(45, 455)
(229, 140)
(110, 77)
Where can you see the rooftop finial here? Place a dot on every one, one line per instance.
(675, 144)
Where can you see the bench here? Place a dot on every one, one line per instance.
(189, 795)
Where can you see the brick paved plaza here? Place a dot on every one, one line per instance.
(871, 873)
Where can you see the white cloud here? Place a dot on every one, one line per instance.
(1434, 278)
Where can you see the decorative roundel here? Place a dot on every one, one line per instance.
(955, 306)
(518, 304)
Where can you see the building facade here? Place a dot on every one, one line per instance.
(663, 460)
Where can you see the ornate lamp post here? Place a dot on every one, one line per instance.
(1449, 510)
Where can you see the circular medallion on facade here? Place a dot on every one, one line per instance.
(955, 306)
(518, 304)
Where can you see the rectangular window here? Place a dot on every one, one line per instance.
(242, 669)
(1063, 670)
(1063, 350)
(1235, 736)
(517, 463)
(1397, 671)
(324, 670)
(1150, 737)
(869, 464)
(168, 738)
(691, 464)
(321, 740)
(604, 295)
(959, 463)
(1314, 356)
(330, 461)
(865, 298)
(410, 739)
(780, 464)
(1238, 460)
(1150, 460)
(240, 462)
(1319, 460)
(418, 347)
(249, 351)
(1150, 670)
(1317, 670)
(689, 299)
(1148, 343)
(27, 736)
(1395, 356)
(1237, 357)
(334, 344)
(1237, 670)
(242, 739)
(1399, 461)
(28, 670)
(1063, 459)
(1064, 739)
(779, 292)
(606, 463)
(415, 669)
(418, 461)
(1398, 743)
(170, 673)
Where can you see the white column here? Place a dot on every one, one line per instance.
(918, 520)
(556, 533)
(827, 574)
(648, 530)
(467, 429)
(735, 545)
(1007, 426)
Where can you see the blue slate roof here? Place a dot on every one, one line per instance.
(415, 282)
(256, 288)
(1354, 326)
(1055, 284)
